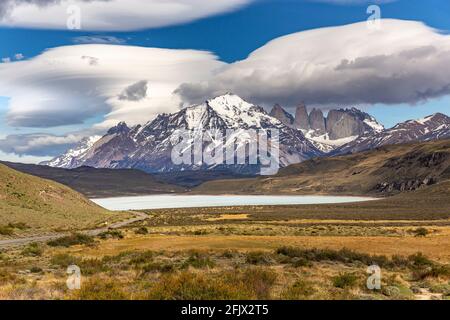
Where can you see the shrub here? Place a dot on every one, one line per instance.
(345, 280)
(350, 256)
(421, 232)
(64, 260)
(142, 230)
(101, 289)
(300, 290)
(258, 258)
(35, 270)
(419, 260)
(158, 267)
(92, 266)
(33, 250)
(432, 272)
(190, 286)
(18, 225)
(6, 231)
(300, 262)
(72, 240)
(198, 261)
(111, 234)
(6, 277)
(141, 257)
(259, 281)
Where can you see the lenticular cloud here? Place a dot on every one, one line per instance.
(403, 62)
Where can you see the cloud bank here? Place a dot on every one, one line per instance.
(38, 145)
(403, 62)
(68, 85)
(111, 15)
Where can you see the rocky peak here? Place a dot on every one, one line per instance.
(352, 122)
(121, 128)
(317, 121)
(282, 115)
(301, 118)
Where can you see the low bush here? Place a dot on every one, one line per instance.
(258, 258)
(18, 225)
(6, 231)
(111, 234)
(138, 258)
(101, 289)
(64, 260)
(33, 250)
(345, 280)
(249, 284)
(300, 290)
(435, 271)
(141, 230)
(420, 232)
(198, 261)
(35, 270)
(72, 240)
(159, 267)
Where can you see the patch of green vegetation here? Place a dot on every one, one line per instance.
(36, 270)
(6, 231)
(420, 232)
(111, 234)
(345, 280)
(300, 290)
(159, 267)
(33, 250)
(259, 258)
(64, 260)
(198, 260)
(141, 230)
(248, 284)
(72, 240)
(101, 289)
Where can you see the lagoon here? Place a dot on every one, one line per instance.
(172, 201)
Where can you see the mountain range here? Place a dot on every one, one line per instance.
(304, 136)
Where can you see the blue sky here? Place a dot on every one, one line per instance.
(231, 35)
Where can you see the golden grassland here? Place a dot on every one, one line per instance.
(184, 254)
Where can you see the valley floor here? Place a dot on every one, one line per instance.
(243, 253)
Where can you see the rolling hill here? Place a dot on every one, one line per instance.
(95, 183)
(384, 171)
(45, 205)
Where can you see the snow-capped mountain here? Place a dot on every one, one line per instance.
(74, 155)
(434, 127)
(149, 147)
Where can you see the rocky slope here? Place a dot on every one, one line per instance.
(385, 171)
(431, 128)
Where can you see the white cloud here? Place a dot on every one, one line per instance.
(68, 85)
(6, 60)
(38, 144)
(19, 56)
(113, 15)
(11, 157)
(403, 62)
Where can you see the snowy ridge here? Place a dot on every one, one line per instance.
(77, 152)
